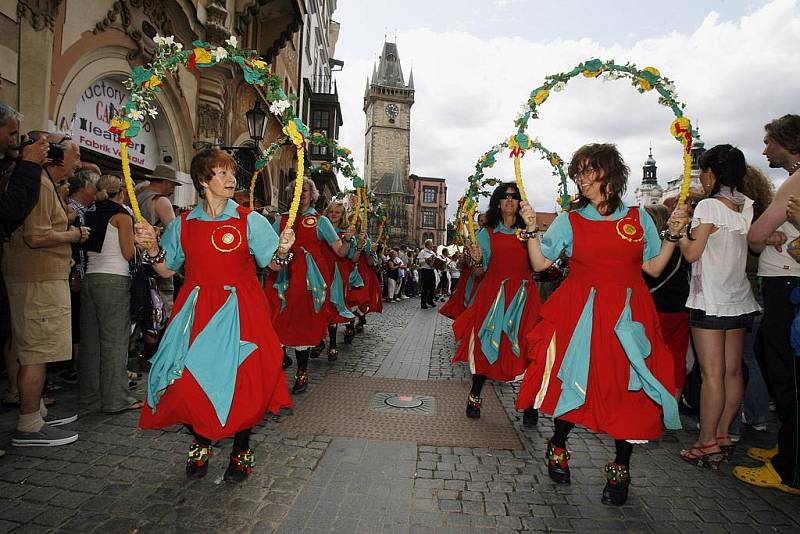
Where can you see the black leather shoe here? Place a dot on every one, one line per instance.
(197, 461)
(473, 406)
(424, 307)
(240, 466)
(349, 335)
(300, 382)
(530, 417)
(316, 351)
(557, 464)
(619, 480)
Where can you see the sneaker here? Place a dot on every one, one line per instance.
(48, 436)
(60, 419)
(403, 297)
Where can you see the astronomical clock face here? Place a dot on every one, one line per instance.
(392, 111)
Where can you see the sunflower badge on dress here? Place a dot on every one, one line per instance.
(309, 221)
(629, 229)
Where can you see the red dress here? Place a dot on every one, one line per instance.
(211, 264)
(455, 305)
(345, 266)
(607, 258)
(361, 298)
(299, 323)
(508, 267)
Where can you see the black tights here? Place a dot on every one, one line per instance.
(477, 384)
(302, 359)
(241, 441)
(562, 429)
(332, 336)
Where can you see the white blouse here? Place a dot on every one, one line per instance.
(719, 284)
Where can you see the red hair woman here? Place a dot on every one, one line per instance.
(217, 369)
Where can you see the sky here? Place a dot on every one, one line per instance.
(735, 65)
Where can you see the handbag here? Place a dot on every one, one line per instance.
(147, 308)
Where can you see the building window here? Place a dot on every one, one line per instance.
(320, 122)
(429, 195)
(428, 218)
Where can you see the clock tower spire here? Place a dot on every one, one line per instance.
(387, 105)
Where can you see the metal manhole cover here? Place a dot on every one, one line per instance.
(405, 404)
(404, 401)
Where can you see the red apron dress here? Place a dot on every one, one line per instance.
(211, 264)
(606, 257)
(455, 305)
(494, 310)
(298, 322)
(360, 298)
(345, 266)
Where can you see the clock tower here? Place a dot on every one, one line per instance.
(387, 105)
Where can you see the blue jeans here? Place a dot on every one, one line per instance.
(755, 406)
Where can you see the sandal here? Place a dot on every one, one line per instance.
(700, 456)
(728, 449)
(132, 407)
(762, 455)
(763, 477)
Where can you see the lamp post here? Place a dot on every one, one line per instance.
(256, 122)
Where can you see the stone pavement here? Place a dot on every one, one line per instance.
(118, 478)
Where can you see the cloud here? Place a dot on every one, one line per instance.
(733, 77)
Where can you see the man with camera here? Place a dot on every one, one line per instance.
(36, 266)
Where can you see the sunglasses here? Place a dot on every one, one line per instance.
(511, 196)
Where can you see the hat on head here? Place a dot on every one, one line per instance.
(164, 172)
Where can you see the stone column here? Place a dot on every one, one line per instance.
(36, 22)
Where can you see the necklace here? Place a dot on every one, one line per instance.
(794, 167)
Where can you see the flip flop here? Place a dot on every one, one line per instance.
(763, 477)
(132, 407)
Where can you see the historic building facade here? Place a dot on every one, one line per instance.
(63, 62)
(416, 205)
(649, 192)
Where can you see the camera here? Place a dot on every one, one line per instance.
(55, 152)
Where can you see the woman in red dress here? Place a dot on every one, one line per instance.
(346, 278)
(217, 369)
(301, 292)
(597, 357)
(490, 332)
(467, 285)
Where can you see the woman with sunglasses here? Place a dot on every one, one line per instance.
(597, 357)
(490, 332)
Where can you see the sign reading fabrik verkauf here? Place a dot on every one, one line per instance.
(89, 124)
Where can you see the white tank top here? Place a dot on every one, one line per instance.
(110, 259)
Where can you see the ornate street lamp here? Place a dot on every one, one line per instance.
(256, 122)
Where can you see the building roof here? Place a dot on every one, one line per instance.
(393, 183)
(389, 72)
(426, 178)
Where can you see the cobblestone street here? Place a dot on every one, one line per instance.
(118, 478)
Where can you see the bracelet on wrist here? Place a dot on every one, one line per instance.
(667, 235)
(158, 258)
(524, 235)
(282, 261)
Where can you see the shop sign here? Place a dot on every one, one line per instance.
(89, 124)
